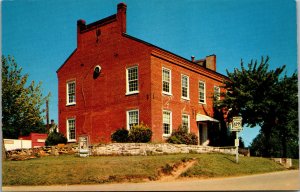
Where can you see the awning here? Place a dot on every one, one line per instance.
(200, 117)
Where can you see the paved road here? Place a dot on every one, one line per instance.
(285, 180)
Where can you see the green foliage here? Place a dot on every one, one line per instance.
(264, 98)
(120, 136)
(55, 138)
(181, 136)
(21, 102)
(140, 134)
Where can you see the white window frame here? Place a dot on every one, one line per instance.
(217, 90)
(67, 95)
(188, 87)
(188, 121)
(68, 130)
(170, 123)
(128, 117)
(204, 92)
(170, 81)
(128, 92)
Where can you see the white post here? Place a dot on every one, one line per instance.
(237, 147)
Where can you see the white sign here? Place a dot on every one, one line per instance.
(237, 124)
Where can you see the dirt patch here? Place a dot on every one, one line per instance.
(172, 172)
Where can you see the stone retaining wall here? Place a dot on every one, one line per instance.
(117, 149)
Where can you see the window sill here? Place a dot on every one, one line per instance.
(185, 98)
(166, 136)
(166, 93)
(72, 141)
(202, 103)
(132, 93)
(70, 104)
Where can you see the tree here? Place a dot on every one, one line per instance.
(21, 101)
(262, 98)
(284, 134)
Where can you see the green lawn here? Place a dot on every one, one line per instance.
(69, 169)
(219, 165)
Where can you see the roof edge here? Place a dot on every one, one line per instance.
(169, 52)
(66, 60)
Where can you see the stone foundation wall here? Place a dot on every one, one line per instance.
(117, 149)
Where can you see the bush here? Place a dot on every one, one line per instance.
(55, 138)
(137, 134)
(181, 136)
(140, 134)
(120, 136)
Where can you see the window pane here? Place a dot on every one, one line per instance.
(166, 80)
(133, 118)
(184, 86)
(132, 79)
(71, 92)
(201, 92)
(71, 126)
(217, 92)
(167, 122)
(185, 121)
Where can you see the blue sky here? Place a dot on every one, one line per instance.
(41, 34)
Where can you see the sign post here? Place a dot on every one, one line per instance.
(236, 126)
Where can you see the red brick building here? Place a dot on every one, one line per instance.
(113, 80)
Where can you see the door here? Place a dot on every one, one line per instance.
(202, 134)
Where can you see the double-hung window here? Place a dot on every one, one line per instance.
(202, 94)
(132, 118)
(166, 81)
(132, 82)
(71, 96)
(186, 122)
(167, 123)
(71, 130)
(185, 87)
(217, 92)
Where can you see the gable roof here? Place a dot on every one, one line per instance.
(159, 48)
(112, 18)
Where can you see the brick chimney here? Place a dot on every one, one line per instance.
(211, 61)
(121, 16)
(80, 26)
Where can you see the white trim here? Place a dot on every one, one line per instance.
(188, 87)
(127, 117)
(127, 83)
(204, 83)
(189, 123)
(67, 93)
(67, 131)
(167, 135)
(170, 81)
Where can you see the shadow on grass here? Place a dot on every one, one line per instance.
(232, 160)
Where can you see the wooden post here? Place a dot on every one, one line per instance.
(47, 115)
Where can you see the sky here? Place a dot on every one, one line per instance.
(41, 34)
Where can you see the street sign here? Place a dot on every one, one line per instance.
(237, 124)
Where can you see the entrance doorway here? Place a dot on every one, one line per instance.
(202, 134)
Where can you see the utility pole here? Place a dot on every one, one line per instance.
(47, 114)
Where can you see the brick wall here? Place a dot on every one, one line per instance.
(101, 103)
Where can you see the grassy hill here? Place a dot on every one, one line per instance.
(103, 169)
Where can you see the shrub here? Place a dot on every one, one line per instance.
(140, 134)
(120, 136)
(137, 134)
(181, 136)
(55, 138)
